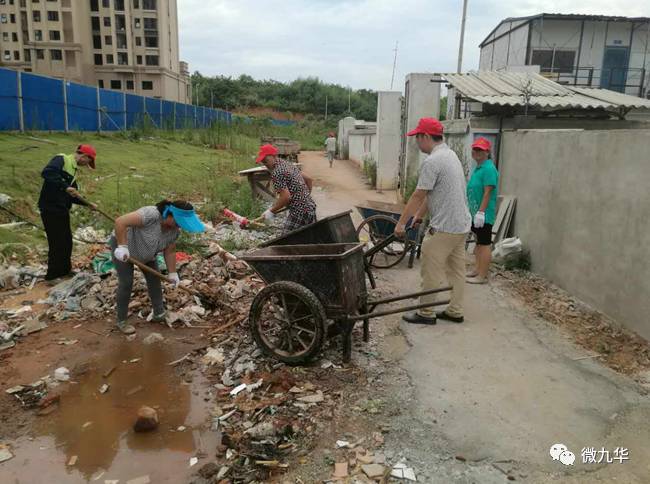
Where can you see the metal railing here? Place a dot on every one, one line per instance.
(621, 79)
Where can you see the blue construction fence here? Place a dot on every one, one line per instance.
(39, 103)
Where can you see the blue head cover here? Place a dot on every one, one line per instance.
(185, 219)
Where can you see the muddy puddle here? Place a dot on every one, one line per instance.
(89, 437)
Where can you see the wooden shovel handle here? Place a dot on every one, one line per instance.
(159, 275)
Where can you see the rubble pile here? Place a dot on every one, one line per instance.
(617, 347)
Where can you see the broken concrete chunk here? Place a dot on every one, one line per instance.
(213, 356)
(73, 460)
(104, 388)
(62, 374)
(401, 471)
(5, 453)
(265, 429)
(340, 470)
(373, 470)
(153, 338)
(147, 420)
(315, 398)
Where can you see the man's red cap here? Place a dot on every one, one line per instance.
(265, 150)
(430, 126)
(482, 144)
(89, 151)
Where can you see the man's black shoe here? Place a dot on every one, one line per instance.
(449, 317)
(415, 318)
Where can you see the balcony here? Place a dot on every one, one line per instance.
(628, 80)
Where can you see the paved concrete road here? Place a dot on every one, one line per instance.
(501, 388)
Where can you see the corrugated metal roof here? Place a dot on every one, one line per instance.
(507, 89)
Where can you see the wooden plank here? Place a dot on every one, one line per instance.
(504, 206)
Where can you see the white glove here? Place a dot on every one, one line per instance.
(268, 215)
(174, 279)
(122, 253)
(479, 220)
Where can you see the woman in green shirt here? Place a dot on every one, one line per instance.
(482, 200)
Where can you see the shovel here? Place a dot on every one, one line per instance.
(204, 298)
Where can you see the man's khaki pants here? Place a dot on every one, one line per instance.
(442, 262)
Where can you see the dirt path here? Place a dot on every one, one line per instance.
(497, 391)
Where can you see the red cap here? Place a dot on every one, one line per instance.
(482, 144)
(430, 126)
(89, 151)
(265, 150)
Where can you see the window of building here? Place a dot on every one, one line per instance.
(120, 23)
(109, 58)
(147, 85)
(149, 4)
(7, 55)
(5, 36)
(97, 41)
(52, 16)
(99, 59)
(136, 3)
(122, 59)
(138, 60)
(100, 83)
(107, 21)
(3, 18)
(106, 3)
(151, 41)
(28, 55)
(14, 36)
(36, 15)
(137, 22)
(94, 23)
(56, 54)
(116, 84)
(16, 55)
(119, 5)
(151, 24)
(55, 35)
(12, 18)
(38, 35)
(138, 41)
(151, 60)
(40, 54)
(36, 1)
(129, 85)
(108, 40)
(94, 5)
(562, 61)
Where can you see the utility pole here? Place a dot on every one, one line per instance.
(392, 78)
(462, 38)
(325, 106)
(349, 100)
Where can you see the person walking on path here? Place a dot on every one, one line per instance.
(330, 147)
(58, 193)
(293, 188)
(142, 235)
(441, 186)
(482, 199)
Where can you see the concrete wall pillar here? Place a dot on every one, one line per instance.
(343, 143)
(389, 134)
(422, 100)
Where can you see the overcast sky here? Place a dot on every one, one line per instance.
(351, 42)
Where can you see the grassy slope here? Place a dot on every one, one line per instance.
(130, 174)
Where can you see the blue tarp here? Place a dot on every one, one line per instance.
(9, 114)
(153, 110)
(112, 110)
(82, 107)
(167, 114)
(134, 110)
(42, 102)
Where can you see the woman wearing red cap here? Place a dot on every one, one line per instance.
(58, 193)
(293, 189)
(482, 201)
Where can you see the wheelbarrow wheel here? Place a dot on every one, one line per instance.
(375, 229)
(288, 322)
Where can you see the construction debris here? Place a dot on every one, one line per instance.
(147, 420)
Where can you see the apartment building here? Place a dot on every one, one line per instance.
(124, 45)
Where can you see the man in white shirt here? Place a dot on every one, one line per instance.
(440, 191)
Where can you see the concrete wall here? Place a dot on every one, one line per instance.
(389, 138)
(342, 142)
(582, 209)
(422, 99)
(362, 146)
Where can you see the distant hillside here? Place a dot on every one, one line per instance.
(304, 96)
